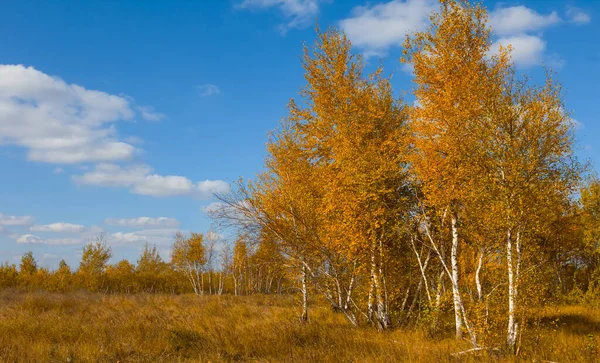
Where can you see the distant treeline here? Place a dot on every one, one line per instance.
(196, 267)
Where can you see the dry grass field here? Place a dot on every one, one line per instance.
(90, 327)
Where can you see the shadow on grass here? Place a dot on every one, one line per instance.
(572, 323)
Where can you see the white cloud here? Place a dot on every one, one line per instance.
(131, 237)
(520, 19)
(58, 170)
(15, 220)
(139, 180)
(32, 239)
(207, 188)
(28, 238)
(163, 186)
(374, 29)
(299, 13)
(578, 16)
(148, 113)
(143, 222)
(59, 122)
(207, 90)
(134, 140)
(58, 228)
(528, 50)
(158, 237)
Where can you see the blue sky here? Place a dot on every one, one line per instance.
(123, 117)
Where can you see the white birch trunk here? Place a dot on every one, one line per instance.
(513, 278)
(478, 275)
(304, 316)
(455, 285)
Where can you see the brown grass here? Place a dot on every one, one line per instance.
(86, 327)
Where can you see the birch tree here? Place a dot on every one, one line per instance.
(534, 174)
(189, 256)
(452, 77)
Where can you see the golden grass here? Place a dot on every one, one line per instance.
(86, 327)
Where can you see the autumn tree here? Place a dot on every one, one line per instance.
(283, 203)
(149, 269)
(492, 153)
(453, 77)
(590, 212)
(28, 264)
(240, 266)
(189, 256)
(9, 276)
(269, 266)
(121, 277)
(63, 276)
(94, 261)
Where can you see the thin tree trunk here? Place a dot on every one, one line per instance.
(478, 275)
(370, 298)
(512, 324)
(513, 281)
(382, 296)
(304, 316)
(202, 284)
(422, 268)
(455, 285)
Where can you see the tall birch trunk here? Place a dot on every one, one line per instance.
(304, 316)
(377, 303)
(513, 280)
(455, 285)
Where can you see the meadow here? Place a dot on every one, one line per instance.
(95, 327)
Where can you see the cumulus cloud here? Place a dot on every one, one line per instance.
(578, 16)
(60, 227)
(207, 188)
(299, 13)
(15, 220)
(57, 122)
(158, 237)
(527, 50)
(140, 180)
(520, 19)
(376, 28)
(142, 222)
(207, 90)
(32, 239)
